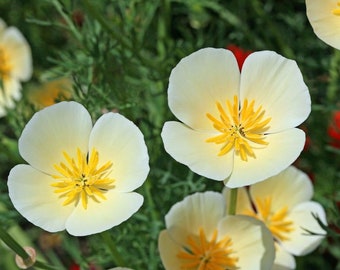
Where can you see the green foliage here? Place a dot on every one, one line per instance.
(119, 55)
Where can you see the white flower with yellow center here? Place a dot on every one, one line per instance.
(199, 236)
(236, 127)
(283, 203)
(15, 65)
(324, 16)
(79, 178)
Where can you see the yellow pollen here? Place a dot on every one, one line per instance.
(276, 222)
(5, 67)
(239, 128)
(201, 254)
(336, 11)
(80, 179)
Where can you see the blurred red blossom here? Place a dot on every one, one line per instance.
(239, 53)
(334, 130)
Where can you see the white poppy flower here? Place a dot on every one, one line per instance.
(236, 127)
(15, 65)
(198, 235)
(283, 203)
(79, 178)
(324, 16)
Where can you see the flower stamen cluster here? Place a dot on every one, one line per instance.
(80, 179)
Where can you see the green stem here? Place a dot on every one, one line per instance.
(232, 201)
(119, 261)
(18, 249)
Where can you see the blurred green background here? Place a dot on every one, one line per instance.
(119, 55)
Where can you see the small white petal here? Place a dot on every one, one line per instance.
(119, 140)
(168, 250)
(200, 210)
(198, 82)
(61, 127)
(33, 196)
(282, 150)
(19, 54)
(288, 188)
(277, 84)
(325, 24)
(189, 147)
(251, 241)
(104, 215)
(283, 259)
(300, 242)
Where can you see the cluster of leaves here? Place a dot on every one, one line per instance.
(119, 55)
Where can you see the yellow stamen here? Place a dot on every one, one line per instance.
(336, 11)
(5, 67)
(276, 222)
(202, 254)
(79, 179)
(239, 128)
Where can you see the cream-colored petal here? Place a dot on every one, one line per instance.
(18, 52)
(288, 188)
(99, 217)
(252, 243)
(11, 92)
(200, 210)
(198, 82)
(243, 205)
(61, 127)
(282, 150)
(120, 141)
(190, 148)
(301, 242)
(283, 259)
(276, 84)
(33, 196)
(324, 23)
(168, 250)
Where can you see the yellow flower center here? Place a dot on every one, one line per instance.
(5, 67)
(201, 254)
(276, 222)
(80, 179)
(336, 11)
(240, 128)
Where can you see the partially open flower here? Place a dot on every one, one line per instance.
(324, 16)
(283, 203)
(15, 65)
(198, 235)
(233, 122)
(79, 177)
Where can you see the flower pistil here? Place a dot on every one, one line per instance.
(243, 127)
(80, 179)
(202, 254)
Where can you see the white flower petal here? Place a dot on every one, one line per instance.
(61, 127)
(283, 259)
(168, 250)
(119, 140)
(276, 83)
(19, 54)
(288, 188)
(200, 210)
(251, 241)
(11, 91)
(190, 148)
(198, 82)
(325, 24)
(301, 242)
(282, 150)
(104, 215)
(33, 196)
